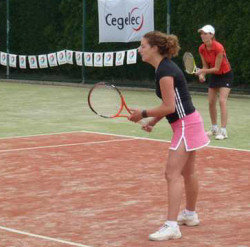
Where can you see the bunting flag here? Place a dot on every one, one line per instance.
(32, 62)
(4, 58)
(61, 57)
(108, 58)
(43, 61)
(78, 56)
(88, 58)
(69, 56)
(98, 59)
(22, 62)
(52, 59)
(12, 60)
(119, 58)
(131, 56)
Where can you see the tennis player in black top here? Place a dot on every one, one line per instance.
(184, 105)
(189, 135)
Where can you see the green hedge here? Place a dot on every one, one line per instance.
(44, 26)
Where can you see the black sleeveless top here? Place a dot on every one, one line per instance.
(183, 101)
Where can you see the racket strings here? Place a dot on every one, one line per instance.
(105, 100)
(189, 63)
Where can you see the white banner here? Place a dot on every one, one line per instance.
(108, 58)
(98, 59)
(131, 56)
(4, 58)
(52, 59)
(125, 20)
(12, 60)
(22, 62)
(78, 55)
(88, 58)
(119, 58)
(32, 62)
(61, 57)
(69, 56)
(43, 61)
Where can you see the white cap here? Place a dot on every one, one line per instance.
(207, 29)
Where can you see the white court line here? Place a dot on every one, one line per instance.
(152, 139)
(43, 237)
(65, 145)
(110, 134)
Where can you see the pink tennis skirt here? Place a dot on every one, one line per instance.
(191, 130)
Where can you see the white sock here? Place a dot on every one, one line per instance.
(171, 223)
(223, 130)
(214, 127)
(189, 213)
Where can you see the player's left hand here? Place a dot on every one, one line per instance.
(147, 127)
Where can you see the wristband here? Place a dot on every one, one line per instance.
(144, 114)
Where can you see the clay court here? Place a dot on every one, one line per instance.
(97, 190)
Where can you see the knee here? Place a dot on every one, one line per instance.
(167, 175)
(170, 176)
(212, 103)
(189, 176)
(223, 101)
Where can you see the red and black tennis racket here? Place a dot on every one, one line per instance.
(107, 101)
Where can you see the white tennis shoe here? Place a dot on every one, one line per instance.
(189, 220)
(222, 135)
(213, 132)
(165, 233)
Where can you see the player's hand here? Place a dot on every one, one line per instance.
(202, 78)
(135, 115)
(150, 123)
(199, 72)
(147, 127)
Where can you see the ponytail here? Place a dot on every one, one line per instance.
(168, 45)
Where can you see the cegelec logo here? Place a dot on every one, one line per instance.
(133, 19)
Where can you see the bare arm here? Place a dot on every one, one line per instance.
(204, 63)
(216, 68)
(202, 76)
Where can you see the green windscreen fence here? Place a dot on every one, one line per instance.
(43, 27)
(36, 29)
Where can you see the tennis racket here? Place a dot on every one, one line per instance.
(107, 101)
(189, 63)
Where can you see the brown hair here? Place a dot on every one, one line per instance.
(168, 45)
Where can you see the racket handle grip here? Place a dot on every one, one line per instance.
(196, 70)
